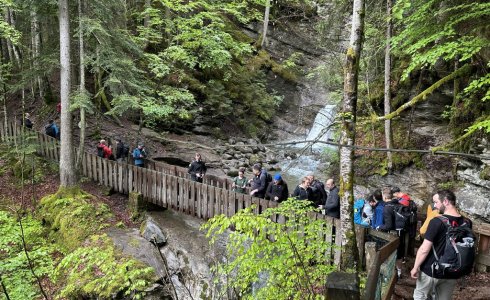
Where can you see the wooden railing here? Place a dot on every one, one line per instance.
(168, 186)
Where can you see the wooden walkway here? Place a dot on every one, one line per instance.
(170, 187)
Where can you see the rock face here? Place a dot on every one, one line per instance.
(188, 257)
(152, 232)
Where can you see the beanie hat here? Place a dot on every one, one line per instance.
(277, 177)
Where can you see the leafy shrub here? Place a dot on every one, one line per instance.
(291, 256)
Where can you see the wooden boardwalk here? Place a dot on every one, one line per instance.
(170, 187)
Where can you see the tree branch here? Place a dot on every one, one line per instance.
(423, 96)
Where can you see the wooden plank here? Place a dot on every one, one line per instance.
(110, 171)
(338, 242)
(483, 229)
(120, 170)
(193, 198)
(217, 202)
(165, 190)
(256, 202)
(105, 172)
(180, 195)
(200, 199)
(95, 171)
(240, 201)
(175, 196)
(231, 203)
(130, 178)
(154, 185)
(247, 201)
(205, 202)
(211, 201)
(187, 196)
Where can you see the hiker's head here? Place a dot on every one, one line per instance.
(103, 142)
(277, 177)
(256, 169)
(371, 200)
(444, 199)
(330, 184)
(198, 157)
(396, 192)
(377, 195)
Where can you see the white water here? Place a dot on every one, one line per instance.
(309, 161)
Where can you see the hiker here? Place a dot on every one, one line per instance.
(318, 195)
(258, 184)
(139, 155)
(368, 210)
(432, 278)
(197, 168)
(389, 226)
(103, 150)
(27, 121)
(302, 191)
(332, 204)
(277, 189)
(411, 211)
(240, 182)
(52, 129)
(122, 151)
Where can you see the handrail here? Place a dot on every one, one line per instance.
(168, 186)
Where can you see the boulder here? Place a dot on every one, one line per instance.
(152, 232)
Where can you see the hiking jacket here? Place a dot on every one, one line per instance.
(300, 193)
(277, 190)
(197, 167)
(332, 205)
(259, 183)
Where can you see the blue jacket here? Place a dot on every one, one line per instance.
(138, 160)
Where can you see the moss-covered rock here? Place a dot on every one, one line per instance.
(485, 173)
(72, 217)
(99, 271)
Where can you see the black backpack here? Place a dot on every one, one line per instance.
(459, 252)
(125, 150)
(405, 216)
(100, 151)
(268, 179)
(50, 131)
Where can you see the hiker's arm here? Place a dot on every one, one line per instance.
(421, 256)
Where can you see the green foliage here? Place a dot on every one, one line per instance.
(97, 269)
(15, 271)
(434, 31)
(7, 31)
(72, 218)
(291, 256)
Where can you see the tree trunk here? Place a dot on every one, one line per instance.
(266, 23)
(81, 89)
(349, 251)
(68, 176)
(388, 132)
(36, 49)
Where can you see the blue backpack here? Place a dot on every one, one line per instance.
(378, 215)
(358, 207)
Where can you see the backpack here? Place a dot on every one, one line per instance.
(358, 207)
(100, 151)
(378, 215)
(405, 216)
(268, 179)
(125, 150)
(50, 131)
(459, 252)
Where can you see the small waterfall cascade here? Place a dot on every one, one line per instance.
(309, 162)
(320, 130)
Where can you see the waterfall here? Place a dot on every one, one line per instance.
(309, 161)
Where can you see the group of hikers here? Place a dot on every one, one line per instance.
(447, 251)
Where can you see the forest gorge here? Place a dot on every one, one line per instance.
(232, 68)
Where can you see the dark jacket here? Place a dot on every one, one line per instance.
(259, 183)
(197, 167)
(279, 190)
(300, 193)
(120, 150)
(318, 195)
(332, 205)
(388, 216)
